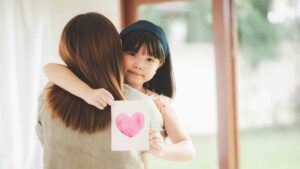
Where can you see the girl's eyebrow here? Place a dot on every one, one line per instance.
(129, 51)
(152, 56)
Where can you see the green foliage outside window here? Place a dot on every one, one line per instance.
(258, 38)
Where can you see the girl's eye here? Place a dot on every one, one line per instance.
(150, 59)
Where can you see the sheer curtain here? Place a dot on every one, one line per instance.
(29, 34)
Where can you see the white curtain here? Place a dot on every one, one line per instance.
(29, 34)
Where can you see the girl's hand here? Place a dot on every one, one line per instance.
(156, 142)
(99, 98)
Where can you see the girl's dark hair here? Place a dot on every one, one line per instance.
(163, 81)
(91, 48)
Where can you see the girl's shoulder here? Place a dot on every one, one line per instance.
(163, 100)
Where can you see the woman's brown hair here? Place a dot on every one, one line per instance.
(91, 48)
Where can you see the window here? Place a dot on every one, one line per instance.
(269, 84)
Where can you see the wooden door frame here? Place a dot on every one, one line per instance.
(225, 44)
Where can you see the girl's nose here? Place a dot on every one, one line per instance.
(138, 64)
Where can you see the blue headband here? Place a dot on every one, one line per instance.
(152, 28)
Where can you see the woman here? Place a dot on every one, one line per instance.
(75, 134)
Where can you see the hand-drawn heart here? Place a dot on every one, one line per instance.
(130, 126)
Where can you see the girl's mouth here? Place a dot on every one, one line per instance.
(135, 73)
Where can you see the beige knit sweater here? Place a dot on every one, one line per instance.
(65, 148)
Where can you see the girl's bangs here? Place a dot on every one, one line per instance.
(135, 40)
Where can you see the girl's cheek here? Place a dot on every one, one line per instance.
(126, 64)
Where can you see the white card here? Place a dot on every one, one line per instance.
(130, 125)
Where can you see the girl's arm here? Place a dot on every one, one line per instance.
(182, 148)
(66, 79)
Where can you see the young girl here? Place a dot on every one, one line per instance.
(148, 69)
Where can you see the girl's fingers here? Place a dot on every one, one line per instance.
(153, 146)
(156, 147)
(109, 101)
(155, 136)
(99, 106)
(153, 131)
(108, 97)
(101, 103)
(156, 142)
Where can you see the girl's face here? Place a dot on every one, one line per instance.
(139, 67)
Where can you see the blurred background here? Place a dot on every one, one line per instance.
(268, 84)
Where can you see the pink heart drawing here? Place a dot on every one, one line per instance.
(130, 126)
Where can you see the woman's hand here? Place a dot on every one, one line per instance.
(99, 98)
(156, 142)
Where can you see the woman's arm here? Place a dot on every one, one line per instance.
(66, 79)
(182, 148)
